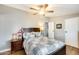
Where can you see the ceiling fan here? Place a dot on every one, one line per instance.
(41, 9)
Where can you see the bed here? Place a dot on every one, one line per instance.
(37, 44)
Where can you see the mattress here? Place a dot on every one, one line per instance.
(42, 46)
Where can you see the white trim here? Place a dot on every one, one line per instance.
(5, 50)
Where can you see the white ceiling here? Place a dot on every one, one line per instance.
(59, 9)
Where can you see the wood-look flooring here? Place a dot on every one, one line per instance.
(69, 51)
(20, 52)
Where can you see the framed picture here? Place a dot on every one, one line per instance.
(58, 26)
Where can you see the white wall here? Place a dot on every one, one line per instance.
(12, 21)
(59, 33)
(78, 25)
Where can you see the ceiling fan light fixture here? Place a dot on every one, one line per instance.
(41, 12)
(42, 9)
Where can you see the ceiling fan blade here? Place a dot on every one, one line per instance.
(45, 6)
(33, 8)
(51, 11)
(35, 13)
(40, 6)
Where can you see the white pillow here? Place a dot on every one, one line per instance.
(32, 35)
(27, 35)
(38, 34)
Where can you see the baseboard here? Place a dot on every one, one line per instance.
(5, 50)
(72, 46)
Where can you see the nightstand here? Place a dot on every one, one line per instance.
(16, 45)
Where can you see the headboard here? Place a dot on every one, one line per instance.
(30, 29)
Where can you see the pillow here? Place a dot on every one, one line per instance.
(33, 33)
(25, 35)
(45, 39)
(38, 34)
(28, 35)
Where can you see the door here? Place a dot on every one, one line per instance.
(71, 32)
(51, 30)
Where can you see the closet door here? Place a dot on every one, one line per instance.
(71, 32)
(51, 30)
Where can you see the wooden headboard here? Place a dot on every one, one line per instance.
(31, 29)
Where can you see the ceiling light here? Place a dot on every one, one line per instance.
(41, 9)
(41, 12)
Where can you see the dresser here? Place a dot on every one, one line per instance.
(16, 45)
